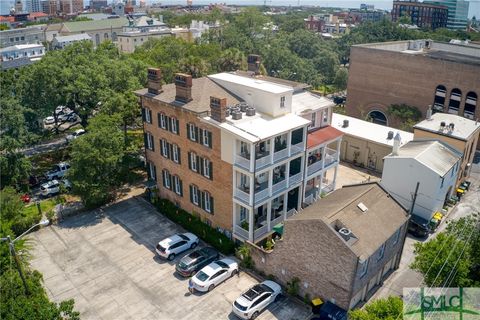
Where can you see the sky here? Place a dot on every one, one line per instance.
(474, 9)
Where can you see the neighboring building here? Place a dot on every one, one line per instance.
(364, 15)
(457, 13)
(63, 41)
(421, 14)
(433, 164)
(460, 133)
(128, 41)
(8, 21)
(314, 23)
(197, 28)
(118, 9)
(38, 17)
(68, 7)
(18, 6)
(98, 5)
(52, 31)
(364, 143)
(29, 35)
(98, 30)
(417, 73)
(342, 247)
(144, 24)
(262, 152)
(33, 6)
(20, 55)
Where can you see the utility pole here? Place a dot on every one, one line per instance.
(19, 267)
(414, 198)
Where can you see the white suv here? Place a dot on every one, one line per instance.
(171, 246)
(251, 303)
(58, 171)
(53, 187)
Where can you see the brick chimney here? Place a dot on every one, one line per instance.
(183, 86)
(253, 62)
(218, 109)
(154, 81)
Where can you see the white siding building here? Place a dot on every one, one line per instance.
(63, 41)
(432, 164)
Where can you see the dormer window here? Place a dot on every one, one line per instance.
(282, 102)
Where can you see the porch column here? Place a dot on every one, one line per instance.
(269, 214)
(285, 199)
(324, 152)
(250, 224)
(252, 156)
(252, 188)
(335, 177)
(272, 149)
(289, 143)
(287, 173)
(339, 146)
(270, 181)
(320, 184)
(234, 224)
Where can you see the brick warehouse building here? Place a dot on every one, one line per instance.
(419, 73)
(423, 15)
(242, 151)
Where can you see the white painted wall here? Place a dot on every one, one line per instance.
(400, 177)
(228, 144)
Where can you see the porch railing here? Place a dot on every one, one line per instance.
(260, 195)
(295, 178)
(279, 186)
(291, 212)
(239, 231)
(240, 194)
(314, 167)
(264, 161)
(260, 231)
(296, 148)
(276, 221)
(280, 154)
(242, 162)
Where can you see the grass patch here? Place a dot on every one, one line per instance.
(46, 206)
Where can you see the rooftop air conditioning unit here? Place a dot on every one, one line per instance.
(236, 115)
(243, 106)
(390, 135)
(345, 123)
(345, 233)
(442, 125)
(250, 111)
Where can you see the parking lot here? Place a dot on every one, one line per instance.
(105, 260)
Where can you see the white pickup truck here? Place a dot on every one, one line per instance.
(58, 171)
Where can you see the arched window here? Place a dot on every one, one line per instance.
(470, 105)
(439, 100)
(105, 36)
(455, 99)
(377, 117)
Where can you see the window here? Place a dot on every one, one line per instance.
(149, 141)
(206, 201)
(325, 116)
(243, 213)
(194, 194)
(193, 161)
(178, 185)
(314, 118)
(206, 167)
(363, 268)
(22, 38)
(206, 138)
(174, 125)
(152, 171)
(192, 132)
(381, 252)
(176, 153)
(165, 148)
(162, 121)
(166, 179)
(282, 102)
(147, 115)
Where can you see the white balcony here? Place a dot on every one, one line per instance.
(242, 162)
(240, 232)
(279, 186)
(314, 167)
(262, 162)
(331, 156)
(291, 212)
(260, 195)
(276, 221)
(282, 154)
(260, 232)
(295, 178)
(242, 195)
(296, 148)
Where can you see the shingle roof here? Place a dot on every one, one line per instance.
(372, 227)
(435, 155)
(202, 89)
(78, 26)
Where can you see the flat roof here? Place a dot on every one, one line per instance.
(253, 83)
(463, 128)
(21, 47)
(383, 217)
(297, 86)
(435, 155)
(307, 102)
(368, 130)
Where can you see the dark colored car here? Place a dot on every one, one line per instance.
(196, 260)
(418, 226)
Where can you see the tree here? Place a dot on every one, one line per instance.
(390, 308)
(341, 78)
(407, 115)
(448, 260)
(96, 164)
(231, 60)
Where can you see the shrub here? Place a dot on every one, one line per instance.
(193, 224)
(269, 245)
(243, 253)
(293, 286)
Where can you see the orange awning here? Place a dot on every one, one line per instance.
(322, 135)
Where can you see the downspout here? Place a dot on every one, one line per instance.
(253, 198)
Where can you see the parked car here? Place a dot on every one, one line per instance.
(58, 171)
(59, 109)
(212, 275)
(168, 248)
(49, 120)
(67, 116)
(251, 303)
(75, 135)
(72, 117)
(196, 260)
(25, 198)
(418, 226)
(53, 187)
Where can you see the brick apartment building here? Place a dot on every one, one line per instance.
(242, 151)
(423, 15)
(418, 73)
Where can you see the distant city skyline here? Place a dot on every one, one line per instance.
(474, 9)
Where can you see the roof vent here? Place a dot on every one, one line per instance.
(390, 135)
(345, 123)
(250, 111)
(236, 114)
(451, 126)
(442, 125)
(362, 207)
(243, 106)
(345, 233)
